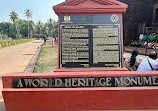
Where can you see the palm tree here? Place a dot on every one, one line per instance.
(51, 24)
(46, 29)
(14, 17)
(28, 14)
(32, 28)
(0, 34)
(39, 24)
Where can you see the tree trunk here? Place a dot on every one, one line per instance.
(31, 33)
(17, 28)
(53, 31)
(28, 30)
(1, 36)
(40, 32)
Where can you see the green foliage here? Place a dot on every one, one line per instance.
(5, 43)
(10, 29)
(23, 27)
(12, 33)
(0, 37)
(28, 13)
(19, 28)
(13, 16)
(53, 28)
(40, 27)
(5, 27)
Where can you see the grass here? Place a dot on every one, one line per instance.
(47, 60)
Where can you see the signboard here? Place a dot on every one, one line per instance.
(90, 41)
(81, 82)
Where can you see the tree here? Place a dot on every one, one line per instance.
(5, 27)
(51, 26)
(0, 34)
(23, 25)
(39, 25)
(32, 28)
(28, 14)
(12, 33)
(14, 17)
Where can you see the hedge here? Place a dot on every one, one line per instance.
(5, 43)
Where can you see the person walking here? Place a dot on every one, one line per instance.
(45, 38)
(132, 62)
(149, 64)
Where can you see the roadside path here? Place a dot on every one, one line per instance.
(128, 54)
(140, 49)
(14, 59)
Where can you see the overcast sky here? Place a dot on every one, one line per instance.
(41, 9)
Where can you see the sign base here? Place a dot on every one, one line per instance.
(80, 98)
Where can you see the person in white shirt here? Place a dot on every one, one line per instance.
(149, 64)
(141, 37)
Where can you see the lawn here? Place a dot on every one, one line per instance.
(47, 60)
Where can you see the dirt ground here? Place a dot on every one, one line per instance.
(14, 59)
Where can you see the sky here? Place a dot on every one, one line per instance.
(41, 9)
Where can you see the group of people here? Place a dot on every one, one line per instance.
(147, 40)
(148, 64)
(45, 37)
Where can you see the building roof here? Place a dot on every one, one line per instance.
(90, 7)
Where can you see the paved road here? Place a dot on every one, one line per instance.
(139, 56)
(14, 59)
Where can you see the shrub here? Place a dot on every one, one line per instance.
(5, 43)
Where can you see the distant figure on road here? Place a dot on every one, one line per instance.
(149, 64)
(44, 38)
(132, 63)
(56, 40)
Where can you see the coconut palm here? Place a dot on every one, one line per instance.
(32, 28)
(14, 17)
(51, 24)
(0, 34)
(28, 14)
(46, 29)
(39, 24)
